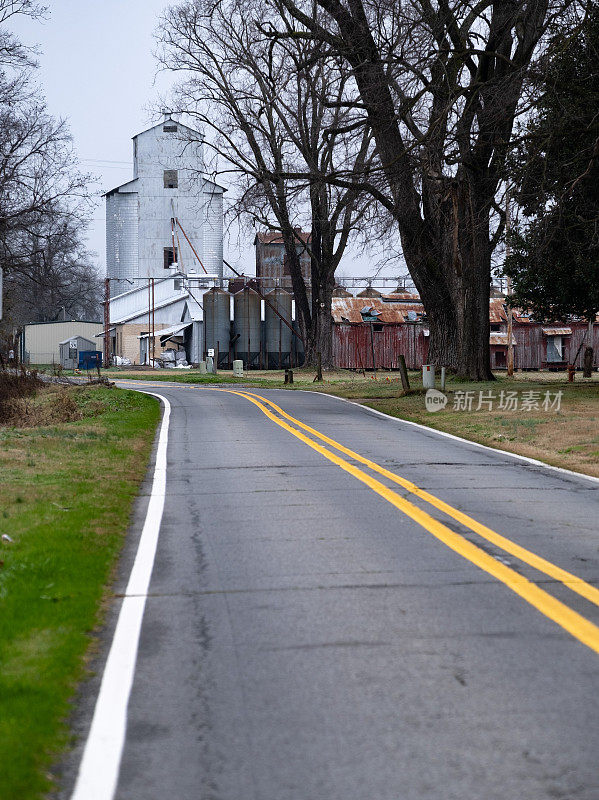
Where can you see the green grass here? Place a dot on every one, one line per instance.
(66, 497)
(174, 376)
(565, 439)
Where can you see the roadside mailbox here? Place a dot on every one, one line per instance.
(428, 376)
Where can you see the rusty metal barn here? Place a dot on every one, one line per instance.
(371, 332)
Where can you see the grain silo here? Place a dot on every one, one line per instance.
(298, 355)
(369, 292)
(246, 307)
(217, 324)
(341, 291)
(277, 304)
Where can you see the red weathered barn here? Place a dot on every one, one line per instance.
(372, 332)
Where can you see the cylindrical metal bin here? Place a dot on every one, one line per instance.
(217, 324)
(246, 309)
(297, 347)
(278, 334)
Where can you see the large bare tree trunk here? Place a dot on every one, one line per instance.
(321, 333)
(442, 172)
(323, 264)
(459, 327)
(450, 262)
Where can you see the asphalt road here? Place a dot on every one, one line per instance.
(305, 638)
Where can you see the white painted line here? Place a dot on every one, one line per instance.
(99, 768)
(495, 450)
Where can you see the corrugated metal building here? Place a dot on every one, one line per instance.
(167, 184)
(39, 342)
(373, 331)
(378, 346)
(177, 305)
(271, 263)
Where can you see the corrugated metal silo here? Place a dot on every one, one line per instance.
(246, 309)
(278, 334)
(369, 292)
(341, 291)
(297, 347)
(217, 323)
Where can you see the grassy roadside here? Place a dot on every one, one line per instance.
(568, 437)
(65, 501)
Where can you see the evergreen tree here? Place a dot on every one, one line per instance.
(555, 250)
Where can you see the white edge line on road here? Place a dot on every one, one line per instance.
(495, 450)
(99, 768)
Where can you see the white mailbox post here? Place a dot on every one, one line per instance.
(428, 376)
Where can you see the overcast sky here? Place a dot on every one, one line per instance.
(97, 70)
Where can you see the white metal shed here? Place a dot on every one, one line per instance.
(70, 349)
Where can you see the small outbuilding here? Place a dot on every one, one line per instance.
(70, 349)
(39, 342)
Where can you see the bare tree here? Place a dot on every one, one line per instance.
(36, 163)
(13, 53)
(43, 197)
(281, 131)
(52, 273)
(36, 156)
(440, 83)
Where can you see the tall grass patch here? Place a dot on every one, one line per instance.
(66, 493)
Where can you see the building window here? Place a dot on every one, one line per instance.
(171, 179)
(496, 326)
(377, 328)
(169, 127)
(170, 257)
(554, 348)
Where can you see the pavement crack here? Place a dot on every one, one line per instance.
(322, 645)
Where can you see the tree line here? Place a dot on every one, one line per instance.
(44, 201)
(378, 117)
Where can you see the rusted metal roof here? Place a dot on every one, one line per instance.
(497, 310)
(557, 331)
(348, 309)
(500, 339)
(522, 317)
(394, 308)
(399, 297)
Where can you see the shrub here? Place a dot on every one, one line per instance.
(15, 387)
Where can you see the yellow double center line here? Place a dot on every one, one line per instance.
(573, 622)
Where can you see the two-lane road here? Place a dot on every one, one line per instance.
(361, 611)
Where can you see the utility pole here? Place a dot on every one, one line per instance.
(510, 346)
(153, 329)
(106, 322)
(587, 364)
(149, 317)
(173, 238)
